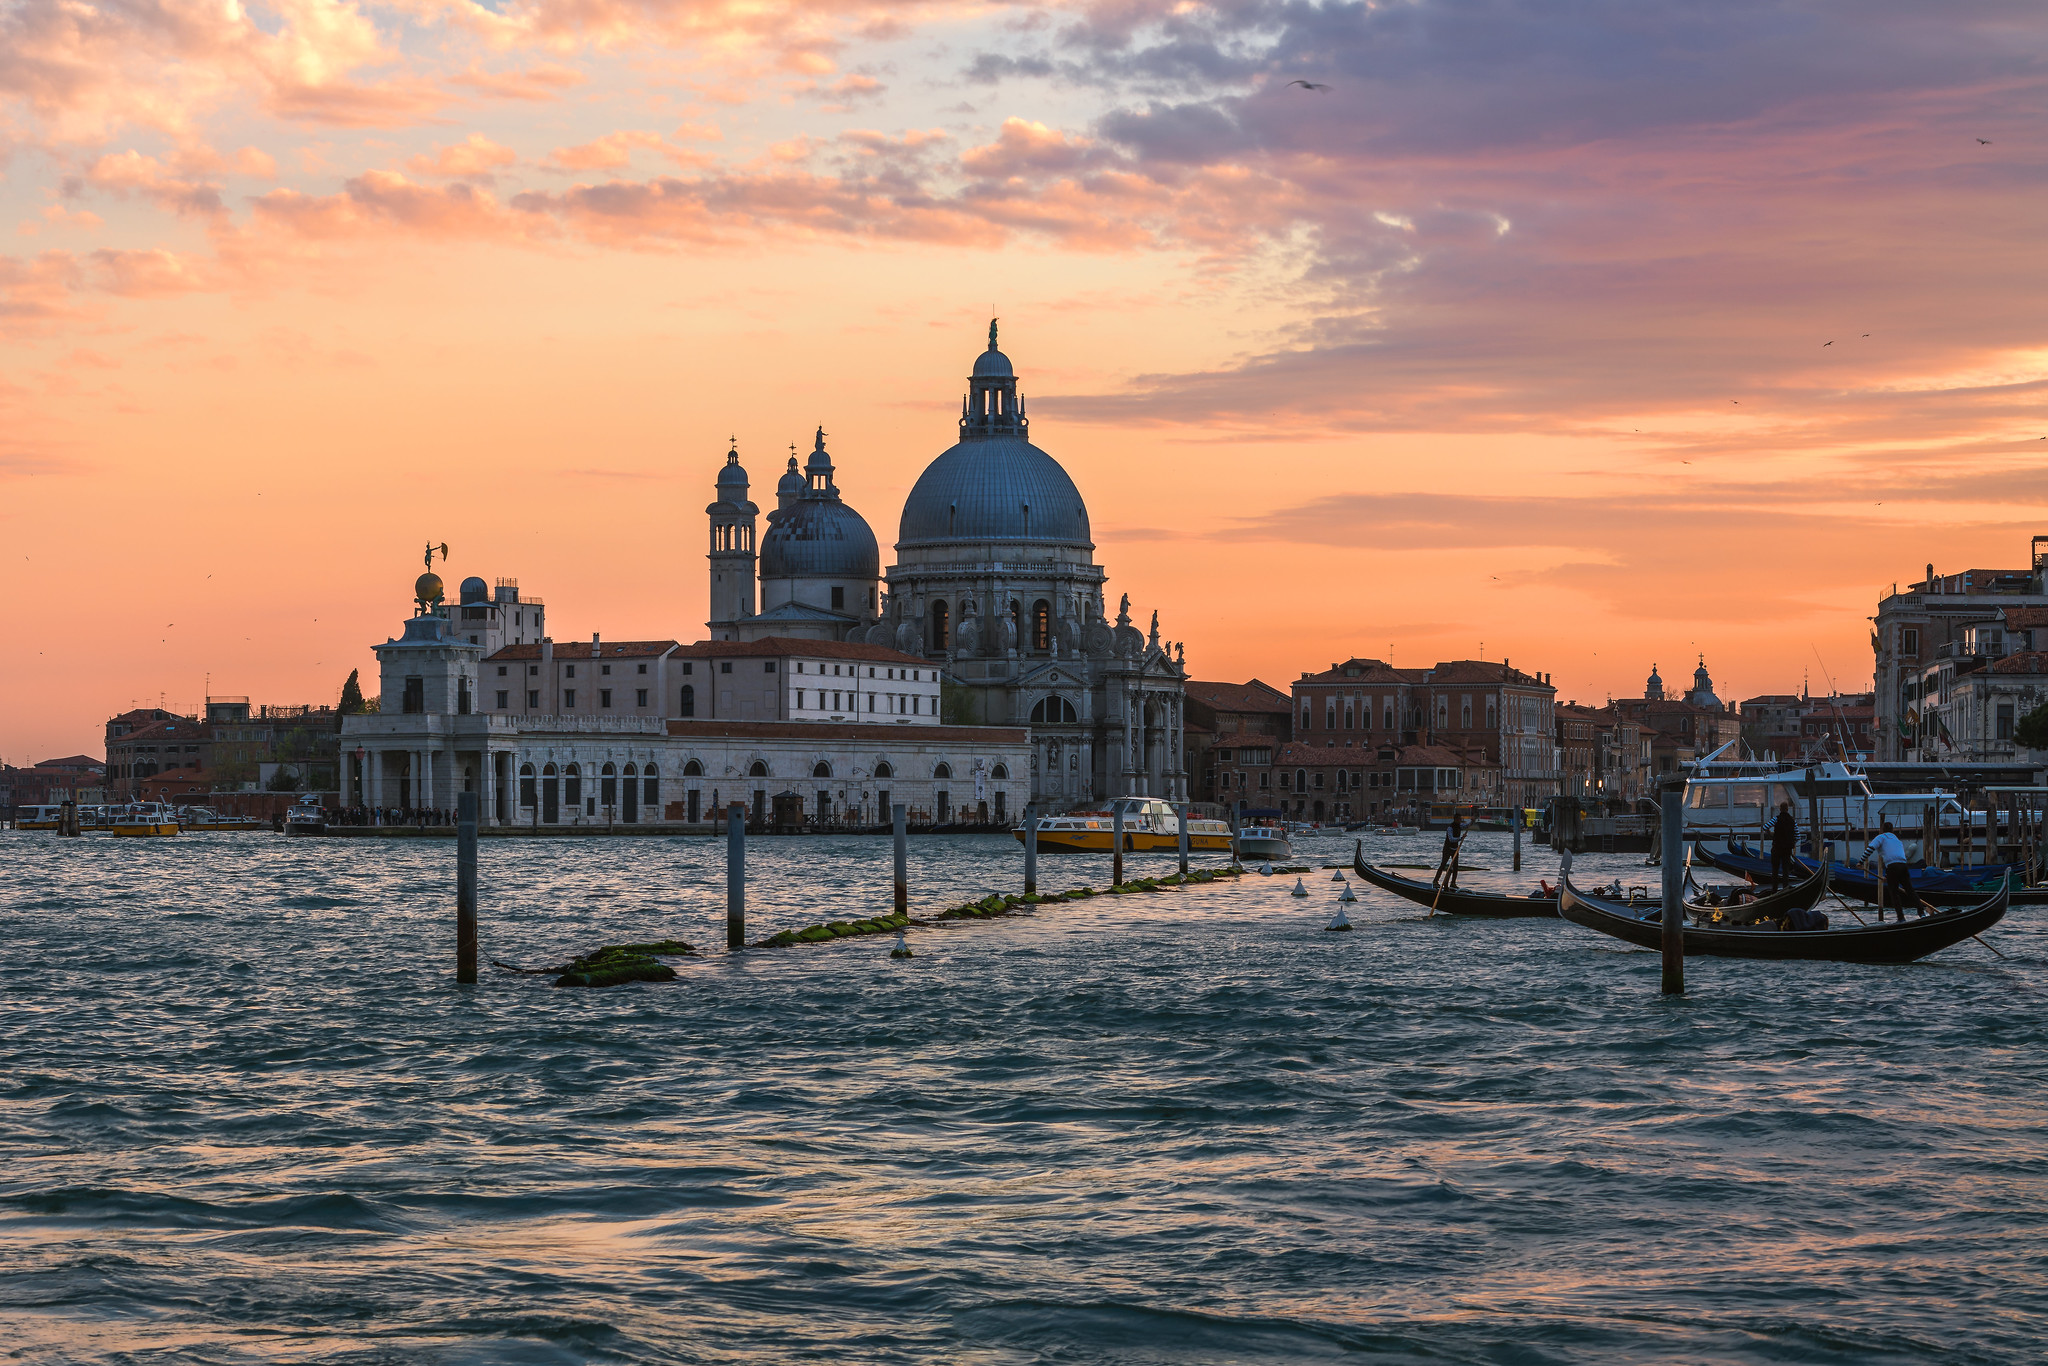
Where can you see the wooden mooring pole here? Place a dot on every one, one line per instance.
(1116, 844)
(1672, 798)
(899, 817)
(736, 876)
(1518, 839)
(1030, 856)
(1183, 840)
(465, 888)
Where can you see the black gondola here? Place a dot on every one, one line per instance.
(1887, 943)
(1450, 900)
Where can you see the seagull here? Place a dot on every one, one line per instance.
(1983, 142)
(1827, 343)
(1308, 85)
(1736, 401)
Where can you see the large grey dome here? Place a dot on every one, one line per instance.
(819, 538)
(994, 488)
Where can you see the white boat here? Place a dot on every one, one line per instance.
(1263, 842)
(143, 819)
(306, 817)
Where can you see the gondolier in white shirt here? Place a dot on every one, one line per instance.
(1890, 854)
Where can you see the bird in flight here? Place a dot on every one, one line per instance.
(1309, 85)
(1827, 343)
(1736, 401)
(1983, 142)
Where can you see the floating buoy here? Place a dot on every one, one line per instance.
(1339, 923)
(1346, 895)
(1336, 877)
(1300, 888)
(1265, 870)
(900, 949)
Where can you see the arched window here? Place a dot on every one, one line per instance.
(1041, 625)
(608, 771)
(759, 770)
(651, 771)
(884, 770)
(630, 770)
(939, 637)
(1301, 779)
(526, 770)
(1054, 711)
(693, 769)
(689, 707)
(1001, 773)
(548, 772)
(943, 771)
(821, 769)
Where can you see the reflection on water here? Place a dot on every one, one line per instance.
(250, 1119)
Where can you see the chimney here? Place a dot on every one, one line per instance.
(594, 648)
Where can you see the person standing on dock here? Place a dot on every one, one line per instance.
(1447, 866)
(1890, 853)
(1784, 839)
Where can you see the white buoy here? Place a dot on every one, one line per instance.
(1337, 876)
(1265, 870)
(1338, 923)
(900, 949)
(1300, 888)
(1346, 895)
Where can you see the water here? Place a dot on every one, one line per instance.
(249, 1119)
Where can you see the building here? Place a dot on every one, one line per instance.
(48, 782)
(816, 574)
(1341, 783)
(146, 741)
(1680, 731)
(234, 747)
(1970, 707)
(1232, 730)
(1490, 711)
(1798, 727)
(1925, 623)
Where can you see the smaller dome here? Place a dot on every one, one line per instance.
(792, 484)
(427, 588)
(993, 364)
(733, 472)
(475, 589)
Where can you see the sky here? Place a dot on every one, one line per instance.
(1586, 335)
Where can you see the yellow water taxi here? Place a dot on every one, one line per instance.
(1149, 824)
(140, 819)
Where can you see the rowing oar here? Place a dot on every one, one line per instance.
(1937, 910)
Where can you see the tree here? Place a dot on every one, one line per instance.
(959, 705)
(352, 703)
(2032, 731)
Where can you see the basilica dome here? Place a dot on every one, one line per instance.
(819, 538)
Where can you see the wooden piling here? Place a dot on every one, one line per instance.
(1672, 797)
(1116, 846)
(1030, 856)
(465, 887)
(736, 876)
(1183, 833)
(899, 818)
(1518, 839)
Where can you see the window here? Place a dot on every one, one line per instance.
(821, 769)
(1000, 773)
(1054, 711)
(533, 671)
(942, 772)
(917, 706)
(532, 699)
(569, 697)
(871, 673)
(526, 784)
(1909, 641)
(501, 671)
(939, 635)
(884, 770)
(415, 699)
(693, 769)
(838, 599)
(1307, 717)
(2005, 720)
(759, 770)
(1330, 716)
(1301, 779)
(503, 704)
(768, 667)
(572, 671)
(605, 669)
(1317, 782)
(572, 783)
(641, 669)
(639, 697)
(1041, 625)
(725, 666)
(689, 667)
(1285, 784)
(689, 706)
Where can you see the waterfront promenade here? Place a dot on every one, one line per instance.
(250, 1119)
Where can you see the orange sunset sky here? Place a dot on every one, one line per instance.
(1515, 338)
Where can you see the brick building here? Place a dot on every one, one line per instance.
(79, 778)
(1925, 624)
(1233, 730)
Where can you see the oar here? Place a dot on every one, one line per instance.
(1925, 906)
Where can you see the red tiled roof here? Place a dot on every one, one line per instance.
(581, 649)
(2026, 618)
(1369, 671)
(2025, 662)
(1326, 756)
(1243, 697)
(768, 647)
(1438, 756)
(1481, 671)
(76, 761)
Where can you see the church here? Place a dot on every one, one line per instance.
(977, 674)
(995, 581)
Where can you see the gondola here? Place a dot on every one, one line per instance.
(1451, 901)
(1941, 886)
(1641, 924)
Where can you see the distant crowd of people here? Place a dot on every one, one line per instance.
(390, 815)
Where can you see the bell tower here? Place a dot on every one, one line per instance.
(732, 548)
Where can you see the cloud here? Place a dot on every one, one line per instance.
(609, 152)
(475, 156)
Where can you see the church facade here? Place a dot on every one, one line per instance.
(995, 581)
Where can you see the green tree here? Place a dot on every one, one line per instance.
(959, 705)
(2032, 731)
(352, 703)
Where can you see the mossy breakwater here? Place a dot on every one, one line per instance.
(612, 965)
(993, 906)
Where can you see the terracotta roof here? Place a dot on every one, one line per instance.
(1369, 671)
(1481, 671)
(1575, 709)
(2026, 618)
(2025, 662)
(825, 731)
(778, 647)
(1252, 696)
(1327, 756)
(581, 649)
(157, 730)
(1775, 699)
(1438, 756)
(76, 761)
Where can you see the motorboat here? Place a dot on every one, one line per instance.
(306, 817)
(138, 820)
(1149, 825)
(1263, 842)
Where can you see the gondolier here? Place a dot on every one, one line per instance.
(1447, 866)
(1784, 839)
(1890, 853)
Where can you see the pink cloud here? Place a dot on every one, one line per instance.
(475, 155)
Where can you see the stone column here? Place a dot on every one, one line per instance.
(487, 785)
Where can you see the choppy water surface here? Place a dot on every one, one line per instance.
(249, 1118)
